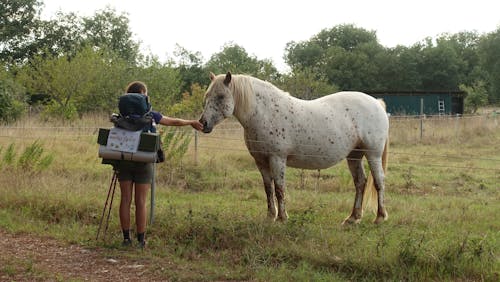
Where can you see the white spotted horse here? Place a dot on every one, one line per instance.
(281, 130)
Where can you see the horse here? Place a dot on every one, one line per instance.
(281, 130)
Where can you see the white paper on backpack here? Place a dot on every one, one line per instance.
(123, 140)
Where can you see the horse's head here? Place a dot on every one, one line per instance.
(219, 102)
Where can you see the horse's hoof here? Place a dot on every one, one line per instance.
(271, 218)
(381, 218)
(283, 217)
(351, 220)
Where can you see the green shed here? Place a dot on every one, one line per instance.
(434, 102)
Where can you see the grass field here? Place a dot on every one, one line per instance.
(442, 194)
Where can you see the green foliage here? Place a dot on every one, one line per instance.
(345, 54)
(87, 82)
(55, 111)
(32, 159)
(175, 144)
(235, 59)
(163, 82)
(9, 155)
(25, 35)
(12, 104)
(107, 29)
(190, 67)
(10, 109)
(191, 104)
(490, 62)
(305, 84)
(18, 20)
(477, 96)
(440, 65)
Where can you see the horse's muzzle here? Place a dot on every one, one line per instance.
(206, 127)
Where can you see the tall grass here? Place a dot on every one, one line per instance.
(210, 214)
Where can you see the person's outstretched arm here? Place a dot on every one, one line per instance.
(169, 121)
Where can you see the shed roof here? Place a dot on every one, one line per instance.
(418, 93)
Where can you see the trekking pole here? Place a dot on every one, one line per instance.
(113, 181)
(152, 205)
(110, 205)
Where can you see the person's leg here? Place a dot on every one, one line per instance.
(141, 195)
(125, 202)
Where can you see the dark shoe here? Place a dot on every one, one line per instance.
(126, 243)
(142, 244)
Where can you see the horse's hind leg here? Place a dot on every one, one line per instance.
(278, 166)
(377, 171)
(268, 186)
(354, 161)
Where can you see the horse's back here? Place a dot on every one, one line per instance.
(366, 113)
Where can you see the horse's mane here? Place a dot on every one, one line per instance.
(244, 94)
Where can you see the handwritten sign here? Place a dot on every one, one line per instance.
(123, 140)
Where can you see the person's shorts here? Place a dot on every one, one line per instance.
(140, 173)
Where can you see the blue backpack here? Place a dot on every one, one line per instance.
(135, 113)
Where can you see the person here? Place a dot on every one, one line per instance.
(137, 177)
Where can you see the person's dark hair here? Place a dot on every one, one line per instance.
(136, 87)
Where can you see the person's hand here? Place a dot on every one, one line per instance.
(196, 125)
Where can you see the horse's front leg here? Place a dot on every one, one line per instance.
(268, 186)
(278, 167)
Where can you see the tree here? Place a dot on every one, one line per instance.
(190, 67)
(163, 81)
(466, 45)
(12, 102)
(24, 35)
(304, 84)
(58, 37)
(191, 104)
(107, 29)
(89, 81)
(489, 53)
(345, 53)
(477, 96)
(18, 21)
(235, 59)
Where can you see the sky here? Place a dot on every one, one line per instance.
(264, 27)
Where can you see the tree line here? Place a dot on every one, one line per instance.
(72, 65)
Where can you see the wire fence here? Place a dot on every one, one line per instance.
(228, 137)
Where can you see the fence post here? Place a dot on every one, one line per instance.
(421, 118)
(195, 147)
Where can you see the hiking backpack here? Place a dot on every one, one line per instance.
(135, 113)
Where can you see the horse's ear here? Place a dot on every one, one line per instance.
(227, 79)
(212, 76)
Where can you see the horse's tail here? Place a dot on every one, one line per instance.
(370, 198)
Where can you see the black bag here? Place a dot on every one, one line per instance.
(135, 113)
(160, 155)
(133, 104)
(131, 123)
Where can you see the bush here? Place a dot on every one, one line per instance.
(11, 107)
(32, 159)
(56, 110)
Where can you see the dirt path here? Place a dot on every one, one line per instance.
(25, 257)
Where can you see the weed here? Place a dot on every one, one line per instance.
(32, 159)
(10, 155)
(408, 177)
